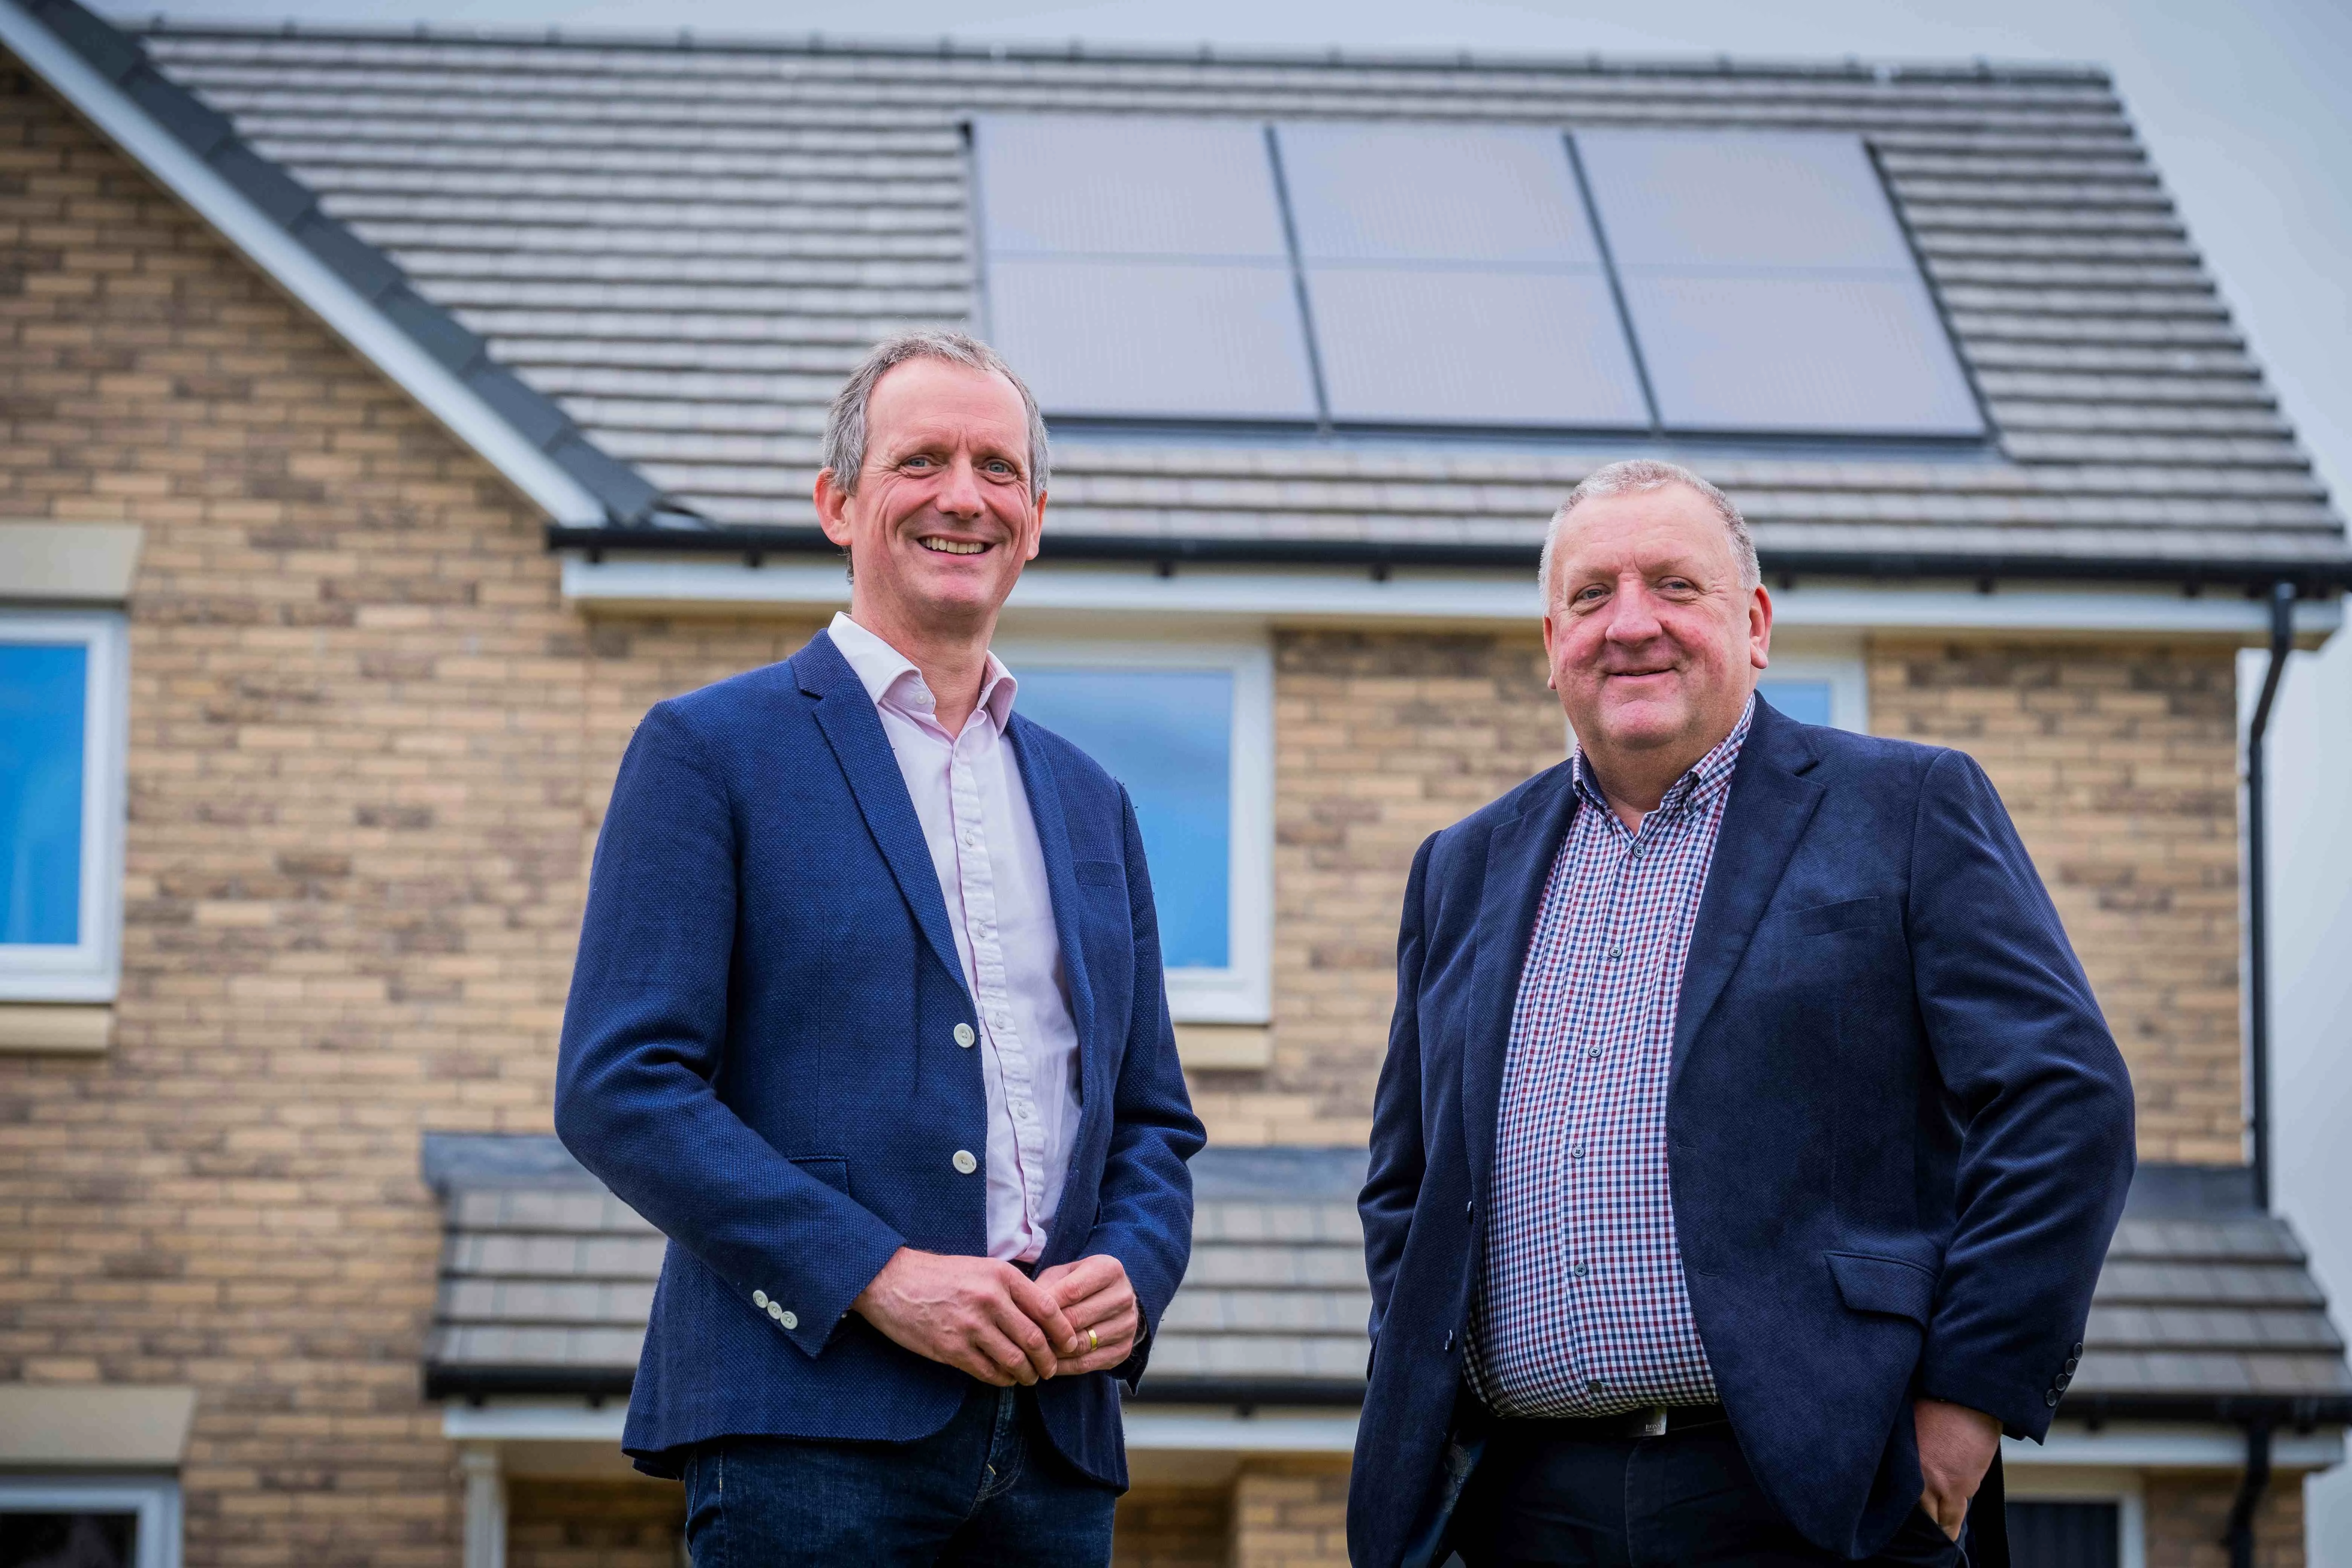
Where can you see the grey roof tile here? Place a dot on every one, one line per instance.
(686, 248)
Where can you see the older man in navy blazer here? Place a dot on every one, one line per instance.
(869, 1019)
(1748, 1140)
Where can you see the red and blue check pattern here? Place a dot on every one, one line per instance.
(1581, 1309)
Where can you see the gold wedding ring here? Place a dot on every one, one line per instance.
(1094, 1342)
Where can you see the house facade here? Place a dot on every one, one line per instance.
(391, 419)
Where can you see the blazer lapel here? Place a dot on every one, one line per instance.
(1770, 803)
(845, 712)
(1047, 810)
(1519, 854)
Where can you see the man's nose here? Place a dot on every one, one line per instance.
(958, 495)
(1633, 615)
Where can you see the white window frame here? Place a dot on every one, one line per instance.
(2058, 1483)
(1241, 991)
(91, 969)
(155, 1499)
(1849, 683)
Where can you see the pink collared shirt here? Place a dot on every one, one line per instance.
(968, 795)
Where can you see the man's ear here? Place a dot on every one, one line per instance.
(1036, 527)
(832, 508)
(1759, 626)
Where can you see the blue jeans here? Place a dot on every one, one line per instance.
(989, 1487)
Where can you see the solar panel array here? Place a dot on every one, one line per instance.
(1392, 275)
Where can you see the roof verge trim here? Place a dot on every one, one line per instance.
(358, 293)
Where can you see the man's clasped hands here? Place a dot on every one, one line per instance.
(985, 1317)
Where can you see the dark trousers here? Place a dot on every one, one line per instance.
(1560, 1492)
(988, 1489)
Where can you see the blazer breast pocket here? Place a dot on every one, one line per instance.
(1101, 874)
(1821, 920)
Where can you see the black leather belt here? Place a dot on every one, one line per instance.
(1652, 1421)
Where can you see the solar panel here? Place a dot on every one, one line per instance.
(1459, 194)
(1770, 287)
(1452, 279)
(1150, 340)
(1139, 268)
(1078, 185)
(1457, 347)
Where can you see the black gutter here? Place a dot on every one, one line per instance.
(2258, 945)
(2238, 1534)
(2313, 578)
(1250, 1392)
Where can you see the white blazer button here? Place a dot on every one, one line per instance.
(964, 1036)
(789, 1320)
(964, 1162)
(776, 1310)
(759, 1299)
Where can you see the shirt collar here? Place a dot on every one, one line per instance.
(891, 676)
(1707, 777)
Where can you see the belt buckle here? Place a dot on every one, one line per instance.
(1654, 1421)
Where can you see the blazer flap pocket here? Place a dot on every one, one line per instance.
(1872, 1284)
(1843, 915)
(831, 1169)
(1101, 874)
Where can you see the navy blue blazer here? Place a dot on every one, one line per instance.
(1898, 1134)
(759, 1055)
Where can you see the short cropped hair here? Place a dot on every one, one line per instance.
(1639, 476)
(844, 422)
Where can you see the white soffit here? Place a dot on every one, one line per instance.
(634, 585)
(310, 281)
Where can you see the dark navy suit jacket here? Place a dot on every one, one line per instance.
(760, 1056)
(1898, 1134)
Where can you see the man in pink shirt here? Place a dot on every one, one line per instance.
(869, 1019)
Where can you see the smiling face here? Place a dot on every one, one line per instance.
(1653, 640)
(943, 517)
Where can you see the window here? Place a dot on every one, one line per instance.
(1817, 689)
(2045, 1533)
(1392, 275)
(61, 806)
(130, 1522)
(1188, 728)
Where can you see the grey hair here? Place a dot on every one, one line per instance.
(1639, 476)
(844, 422)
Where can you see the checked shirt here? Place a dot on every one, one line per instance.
(1582, 1307)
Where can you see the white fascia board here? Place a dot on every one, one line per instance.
(547, 1422)
(1219, 1429)
(312, 282)
(1304, 594)
(2171, 1445)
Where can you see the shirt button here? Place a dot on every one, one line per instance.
(1593, 1054)
(789, 1320)
(1579, 1269)
(1616, 953)
(964, 1162)
(760, 1300)
(964, 1034)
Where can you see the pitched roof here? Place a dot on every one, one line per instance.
(687, 245)
(362, 292)
(2205, 1307)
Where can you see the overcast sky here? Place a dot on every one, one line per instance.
(2247, 109)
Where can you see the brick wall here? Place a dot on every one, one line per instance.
(587, 1524)
(1174, 1527)
(1291, 1514)
(354, 862)
(2119, 763)
(2187, 1511)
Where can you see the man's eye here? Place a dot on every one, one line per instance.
(916, 462)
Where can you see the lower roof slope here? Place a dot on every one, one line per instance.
(688, 245)
(2206, 1305)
